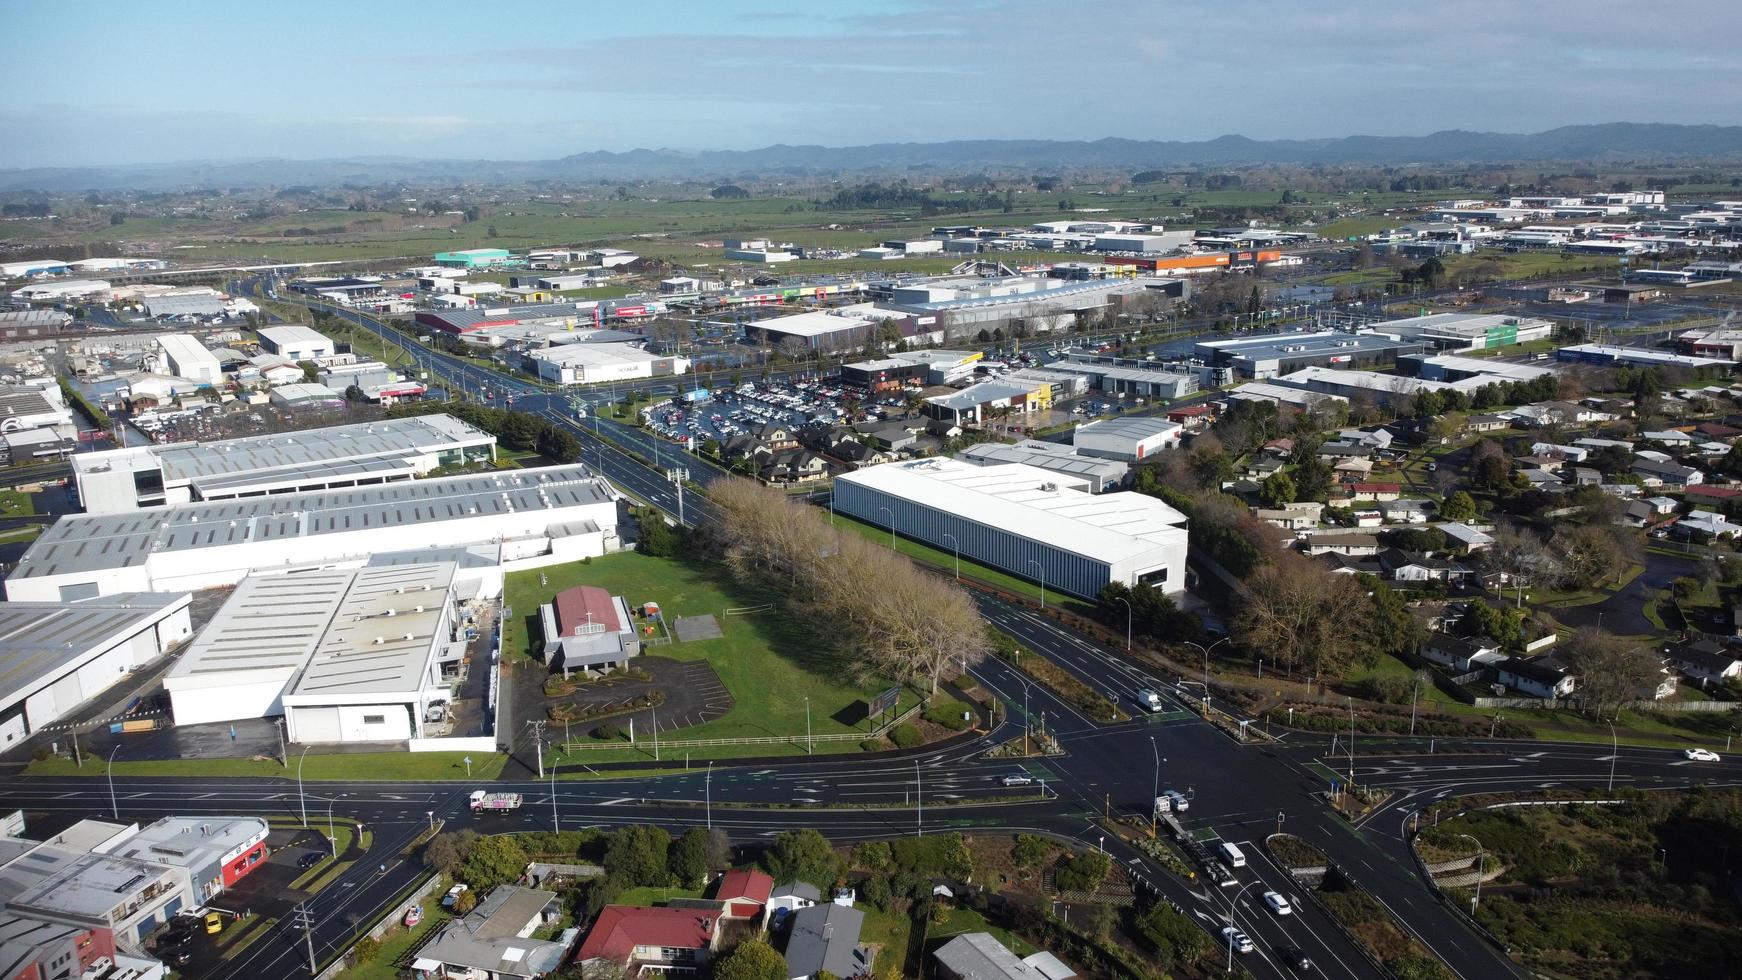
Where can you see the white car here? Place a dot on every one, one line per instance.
(1278, 904)
(1237, 939)
(1701, 755)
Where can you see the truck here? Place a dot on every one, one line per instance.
(1150, 700)
(483, 802)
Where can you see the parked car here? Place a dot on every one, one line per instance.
(1178, 799)
(178, 956)
(1016, 779)
(1701, 755)
(214, 923)
(309, 860)
(1278, 904)
(453, 896)
(1237, 939)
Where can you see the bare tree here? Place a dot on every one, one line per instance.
(1301, 615)
(1612, 669)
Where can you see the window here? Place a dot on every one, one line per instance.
(374, 719)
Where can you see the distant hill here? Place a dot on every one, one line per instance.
(1641, 142)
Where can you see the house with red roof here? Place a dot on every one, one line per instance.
(743, 893)
(640, 939)
(587, 628)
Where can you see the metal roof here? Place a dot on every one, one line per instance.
(87, 542)
(1047, 456)
(40, 640)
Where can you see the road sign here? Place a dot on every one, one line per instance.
(886, 701)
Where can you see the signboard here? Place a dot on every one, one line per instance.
(12, 824)
(885, 702)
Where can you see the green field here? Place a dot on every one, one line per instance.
(769, 661)
(946, 561)
(395, 945)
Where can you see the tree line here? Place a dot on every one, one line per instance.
(516, 430)
(908, 623)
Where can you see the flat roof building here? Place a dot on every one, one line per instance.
(1450, 367)
(345, 655)
(1142, 380)
(296, 342)
(1025, 521)
(187, 358)
(216, 852)
(55, 656)
(1277, 354)
(1465, 331)
(574, 364)
(473, 258)
(1130, 439)
(845, 326)
(364, 454)
(1605, 354)
(1102, 474)
(564, 512)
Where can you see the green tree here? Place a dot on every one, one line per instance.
(1277, 489)
(493, 861)
(1082, 873)
(1029, 850)
(872, 855)
(558, 445)
(637, 855)
(365, 949)
(1460, 506)
(802, 855)
(754, 959)
(655, 536)
(311, 372)
(1174, 937)
(688, 859)
(447, 852)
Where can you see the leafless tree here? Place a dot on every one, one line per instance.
(1612, 669)
(1296, 613)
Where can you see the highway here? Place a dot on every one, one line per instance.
(1240, 792)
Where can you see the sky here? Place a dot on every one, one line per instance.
(95, 83)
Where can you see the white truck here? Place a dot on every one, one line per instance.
(1150, 700)
(483, 802)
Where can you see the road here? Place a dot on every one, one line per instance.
(1241, 792)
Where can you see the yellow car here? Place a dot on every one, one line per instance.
(214, 923)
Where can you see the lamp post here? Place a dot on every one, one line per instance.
(1127, 621)
(1614, 750)
(808, 750)
(1155, 784)
(331, 841)
(301, 800)
(708, 788)
(919, 803)
(1042, 569)
(958, 550)
(114, 808)
(1205, 650)
(891, 526)
(1232, 908)
(1481, 870)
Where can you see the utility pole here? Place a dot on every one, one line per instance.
(708, 788)
(306, 919)
(808, 749)
(555, 822)
(283, 752)
(537, 726)
(919, 824)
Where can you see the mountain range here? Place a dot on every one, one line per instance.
(1611, 142)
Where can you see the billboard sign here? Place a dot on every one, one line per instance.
(885, 702)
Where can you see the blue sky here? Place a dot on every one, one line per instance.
(110, 82)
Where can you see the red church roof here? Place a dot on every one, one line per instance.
(621, 928)
(584, 604)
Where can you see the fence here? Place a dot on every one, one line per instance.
(702, 743)
(387, 923)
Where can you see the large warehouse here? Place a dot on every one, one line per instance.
(55, 656)
(577, 364)
(364, 454)
(295, 341)
(1465, 331)
(345, 655)
(1040, 525)
(1128, 439)
(564, 512)
(187, 358)
(1273, 355)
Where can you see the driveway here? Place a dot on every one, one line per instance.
(1623, 612)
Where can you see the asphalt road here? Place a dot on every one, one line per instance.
(1240, 792)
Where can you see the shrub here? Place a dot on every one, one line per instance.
(949, 715)
(872, 745)
(1082, 873)
(876, 892)
(872, 855)
(608, 732)
(366, 949)
(1029, 850)
(906, 736)
(1175, 938)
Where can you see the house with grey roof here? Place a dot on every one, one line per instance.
(980, 956)
(826, 937)
(492, 942)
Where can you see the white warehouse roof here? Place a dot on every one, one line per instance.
(293, 334)
(1043, 506)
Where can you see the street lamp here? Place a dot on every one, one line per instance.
(958, 550)
(808, 750)
(1155, 784)
(891, 526)
(1614, 750)
(1205, 650)
(1232, 908)
(708, 788)
(1127, 621)
(1481, 870)
(114, 808)
(301, 801)
(1042, 569)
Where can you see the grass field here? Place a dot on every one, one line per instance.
(655, 895)
(16, 503)
(946, 561)
(395, 945)
(771, 664)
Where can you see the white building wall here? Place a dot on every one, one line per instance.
(230, 702)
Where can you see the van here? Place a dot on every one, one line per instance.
(1231, 855)
(1178, 799)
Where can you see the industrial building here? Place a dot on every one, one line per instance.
(33, 406)
(1384, 389)
(186, 357)
(55, 656)
(1029, 522)
(341, 456)
(1159, 243)
(556, 513)
(846, 326)
(1272, 355)
(1282, 395)
(62, 289)
(979, 403)
(1465, 331)
(938, 367)
(1042, 305)
(576, 364)
(1102, 474)
(465, 323)
(1605, 354)
(1140, 379)
(345, 655)
(474, 258)
(1450, 367)
(296, 342)
(1131, 439)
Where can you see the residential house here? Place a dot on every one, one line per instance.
(1718, 431)
(1461, 653)
(1299, 516)
(492, 942)
(980, 956)
(1408, 566)
(1712, 495)
(652, 940)
(793, 466)
(1674, 438)
(1368, 518)
(743, 893)
(1353, 470)
(1263, 467)
(1661, 685)
(1540, 479)
(1352, 543)
(1567, 454)
(1542, 414)
(1704, 525)
(1487, 423)
(1374, 491)
(775, 436)
(794, 895)
(1670, 473)
(857, 455)
(1585, 476)
(826, 937)
(891, 437)
(1280, 448)
(1534, 677)
(1341, 564)
(1406, 511)
(1705, 662)
(1639, 513)
(1376, 439)
(1466, 537)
